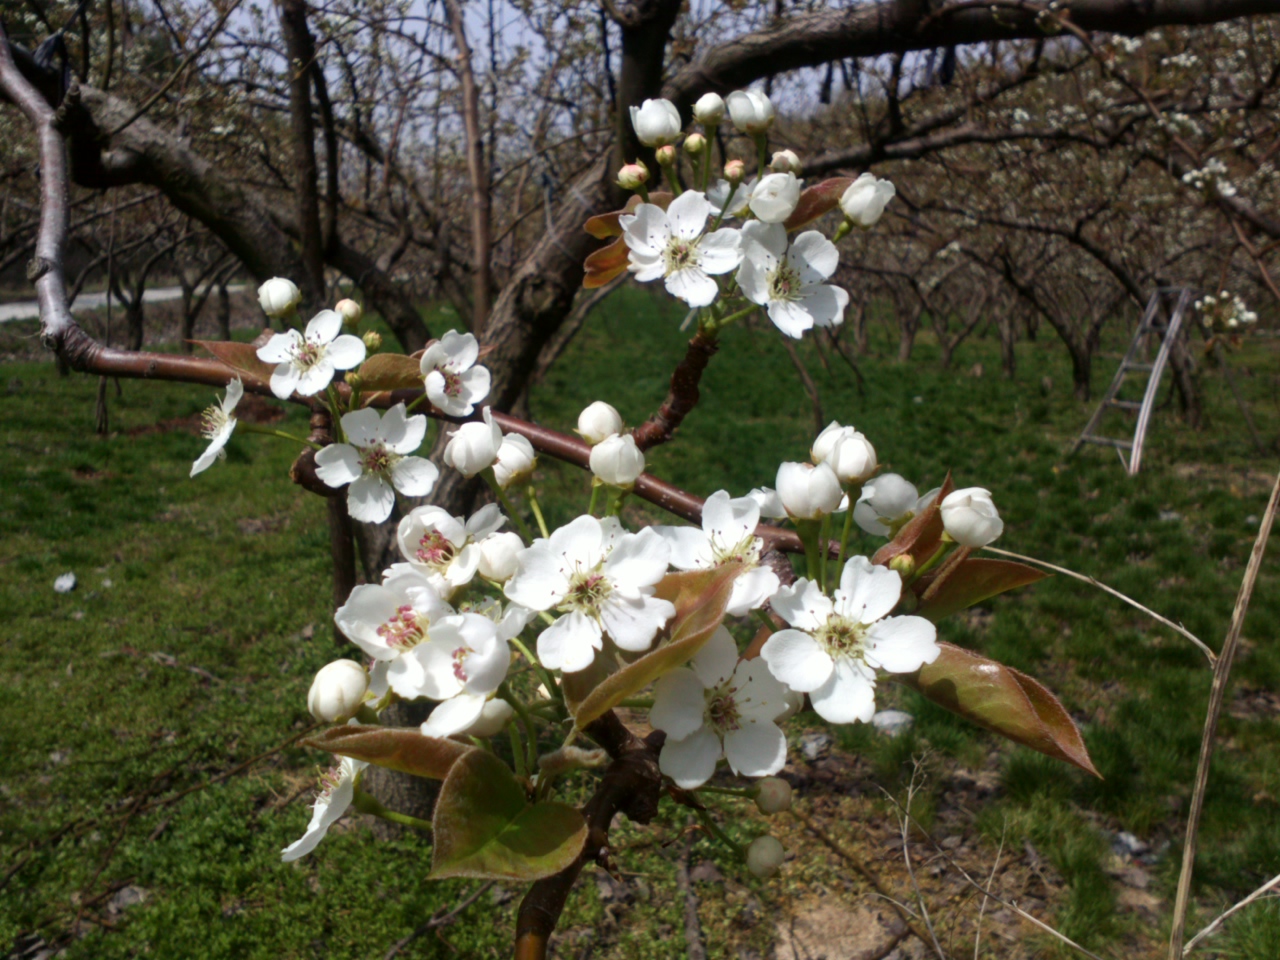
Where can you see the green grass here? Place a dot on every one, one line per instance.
(202, 613)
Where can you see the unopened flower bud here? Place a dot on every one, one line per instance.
(709, 110)
(734, 171)
(808, 492)
(279, 297)
(694, 144)
(516, 460)
(846, 451)
(656, 122)
(904, 564)
(350, 310)
(598, 421)
(864, 200)
(352, 380)
(970, 517)
(666, 155)
(773, 795)
(337, 691)
(617, 460)
(498, 553)
(785, 161)
(765, 856)
(474, 446)
(751, 111)
(633, 176)
(372, 340)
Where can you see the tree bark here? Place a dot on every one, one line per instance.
(301, 52)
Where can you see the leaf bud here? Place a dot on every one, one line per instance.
(694, 144)
(372, 340)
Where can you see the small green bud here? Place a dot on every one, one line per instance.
(765, 856)
(372, 340)
(904, 563)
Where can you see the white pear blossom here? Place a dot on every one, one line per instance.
(474, 446)
(498, 553)
(446, 549)
(738, 201)
(970, 517)
(337, 691)
(279, 297)
(709, 110)
(718, 707)
(600, 579)
(727, 536)
(516, 460)
(617, 460)
(454, 382)
(836, 645)
(846, 451)
(376, 461)
(786, 161)
(463, 662)
(808, 492)
(671, 244)
(656, 122)
(790, 281)
(751, 111)
(493, 717)
(217, 424)
(599, 421)
(864, 200)
(306, 362)
(770, 504)
(775, 196)
(888, 502)
(337, 789)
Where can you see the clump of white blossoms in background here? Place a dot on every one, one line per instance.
(1225, 311)
(718, 707)
(455, 383)
(970, 517)
(443, 548)
(727, 536)
(671, 244)
(376, 461)
(337, 789)
(888, 502)
(601, 580)
(217, 425)
(864, 200)
(836, 645)
(790, 282)
(306, 362)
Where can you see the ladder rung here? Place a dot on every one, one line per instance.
(1108, 441)
(1125, 404)
(1141, 367)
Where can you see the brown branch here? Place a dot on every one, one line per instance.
(682, 396)
(301, 52)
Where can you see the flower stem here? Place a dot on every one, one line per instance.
(532, 495)
(498, 492)
(824, 548)
(929, 564)
(807, 530)
(710, 826)
(706, 156)
(842, 231)
(365, 803)
(517, 748)
(762, 150)
(545, 675)
(595, 496)
(729, 791)
(268, 432)
(848, 527)
(725, 321)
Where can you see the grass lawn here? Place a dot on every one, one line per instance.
(201, 614)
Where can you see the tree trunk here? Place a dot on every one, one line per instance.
(908, 324)
(1081, 369)
(224, 310)
(1008, 338)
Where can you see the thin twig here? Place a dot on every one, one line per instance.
(692, 928)
(906, 857)
(1212, 928)
(977, 936)
(1217, 694)
(440, 918)
(1204, 647)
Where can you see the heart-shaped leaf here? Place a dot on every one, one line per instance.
(240, 357)
(485, 827)
(606, 225)
(817, 200)
(700, 598)
(397, 748)
(922, 534)
(971, 582)
(1002, 699)
(390, 371)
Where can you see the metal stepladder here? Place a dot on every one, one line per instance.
(1151, 326)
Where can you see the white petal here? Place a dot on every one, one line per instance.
(414, 476)
(758, 693)
(454, 406)
(790, 317)
(803, 605)
(284, 380)
(903, 644)
(324, 326)
(729, 521)
(814, 256)
(539, 582)
(403, 434)
(639, 560)
(756, 749)
(281, 347)
(847, 696)
(797, 660)
(461, 350)
(825, 305)
(752, 590)
(645, 270)
(690, 547)
(406, 676)
(753, 281)
(692, 286)
(488, 519)
(719, 252)
(690, 762)
(570, 644)
(338, 464)
(864, 515)
(464, 566)
(235, 390)
(315, 378)
(474, 385)
(453, 716)
(579, 543)
(647, 232)
(362, 427)
(764, 243)
(679, 703)
(346, 352)
(871, 591)
(688, 214)
(714, 663)
(370, 499)
(369, 606)
(632, 623)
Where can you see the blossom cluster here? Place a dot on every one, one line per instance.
(1225, 311)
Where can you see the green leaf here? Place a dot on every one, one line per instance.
(396, 748)
(700, 598)
(1002, 699)
(922, 534)
(817, 200)
(971, 582)
(240, 357)
(485, 827)
(390, 371)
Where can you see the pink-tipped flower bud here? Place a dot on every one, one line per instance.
(734, 171)
(785, 161)
(773, 795)
(765, 856)
(695, 144)
(666, 155)
(350, 310)
(633, 176)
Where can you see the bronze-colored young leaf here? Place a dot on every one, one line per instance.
(606, 225)
(485, 827)
(240, 357)
(390, 371)
(700, 598)
(922, 534)
(397, 748)
(605, 264)
(816, 200)
(971, 582)
(1002, 699)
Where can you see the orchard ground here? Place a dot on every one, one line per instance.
(134, 819)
